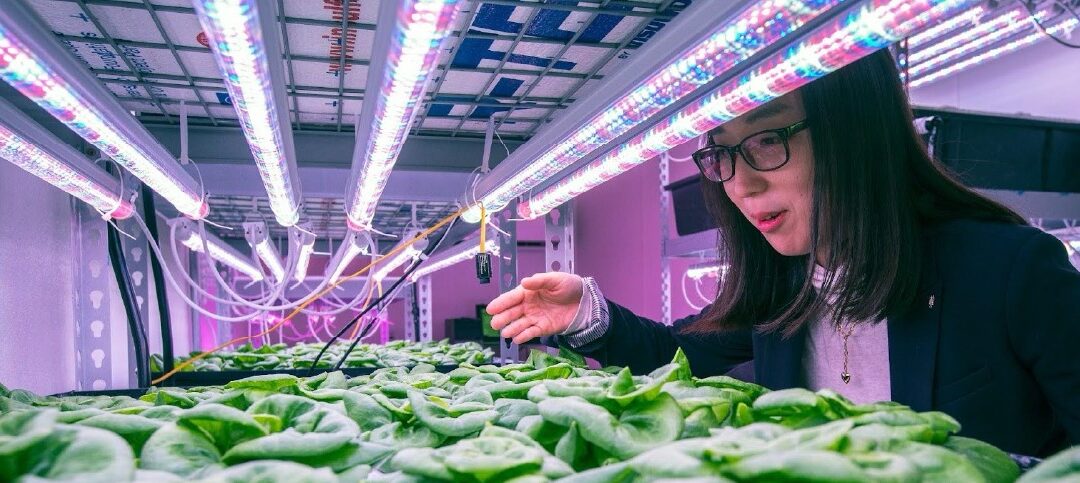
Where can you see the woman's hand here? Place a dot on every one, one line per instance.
(544, 304)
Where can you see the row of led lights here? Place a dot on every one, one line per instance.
(242, 43)
(758, 26)
(870, 26)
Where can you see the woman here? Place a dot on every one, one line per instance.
(856, 264)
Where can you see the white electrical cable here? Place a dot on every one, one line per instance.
(686, 295)
(176, 286)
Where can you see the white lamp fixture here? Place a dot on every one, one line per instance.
(356, 243)
(395, 90)
(302, 243)
(706, 269)
(217, 249)
(411, 252)
(963, 19)
(863, 28)
(35, 64)
(244, 38)
(37, 151)
(256, 234)
(461, 252)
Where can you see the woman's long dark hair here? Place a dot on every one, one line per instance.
(876, 190)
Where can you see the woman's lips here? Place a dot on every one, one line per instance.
(770, 222)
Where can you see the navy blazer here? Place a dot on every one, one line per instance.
(994, 339)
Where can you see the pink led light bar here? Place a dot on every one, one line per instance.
(961, 45)
(32, 62)
(865, 28)
(104, 195)
(240, 48)
(420, 28)
(1024, 41)
(945, 27)
(746, 34)
(1003, 21)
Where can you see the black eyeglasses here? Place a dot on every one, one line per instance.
(763, 151)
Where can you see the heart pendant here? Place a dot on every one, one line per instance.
(845, 377)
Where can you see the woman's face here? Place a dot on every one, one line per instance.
(777, 202)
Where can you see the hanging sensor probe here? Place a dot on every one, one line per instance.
(483, 258)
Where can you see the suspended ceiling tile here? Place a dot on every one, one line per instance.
(191, 109)
(318, 118)
(326, 41)
(65, 18)
(474, 125)
(332, 10)
(585, 58)
(153, 61)
(557, 87)
(172, 3)
(127, 23)
(223, 112)
(176, 93)
(323, 74)
(96, 55)
(184, 29)
(517, 127)
(317, 105)
(439, 123)
(529, 113)
(201, 64)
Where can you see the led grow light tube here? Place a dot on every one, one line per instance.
(706, 269)
(984, 35)
(866, 27)
(258, 237)
(38, 152)
(247, 49)
(747, 33)
(302, 243)
(1024, 41)
(945, 27)
(355, 244)
(465, 250)
(411, 252)
(35, 64)
(1004, 21)
(419, 29)
(216, 249)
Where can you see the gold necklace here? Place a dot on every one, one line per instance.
(844, 334)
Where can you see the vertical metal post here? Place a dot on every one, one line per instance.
(423, 305)
(665, 223)
(508, 272)
(196, 325)
(93, 347)
(559, 239)
(411, 316)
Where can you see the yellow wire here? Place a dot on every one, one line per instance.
(179, 367)
(483, 229)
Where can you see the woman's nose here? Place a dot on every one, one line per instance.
(746, 181)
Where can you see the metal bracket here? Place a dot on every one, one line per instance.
(423, 304)
(559, 239)
(93, 340)
(665, 224)
(508, 272)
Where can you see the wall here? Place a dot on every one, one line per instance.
(36, 333)
(619, 239)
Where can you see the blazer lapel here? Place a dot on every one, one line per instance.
(913, 341)
(778, 361)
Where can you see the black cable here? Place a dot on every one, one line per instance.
(127, 295)
(1031, 14)
(431, 248)
(159, 283)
